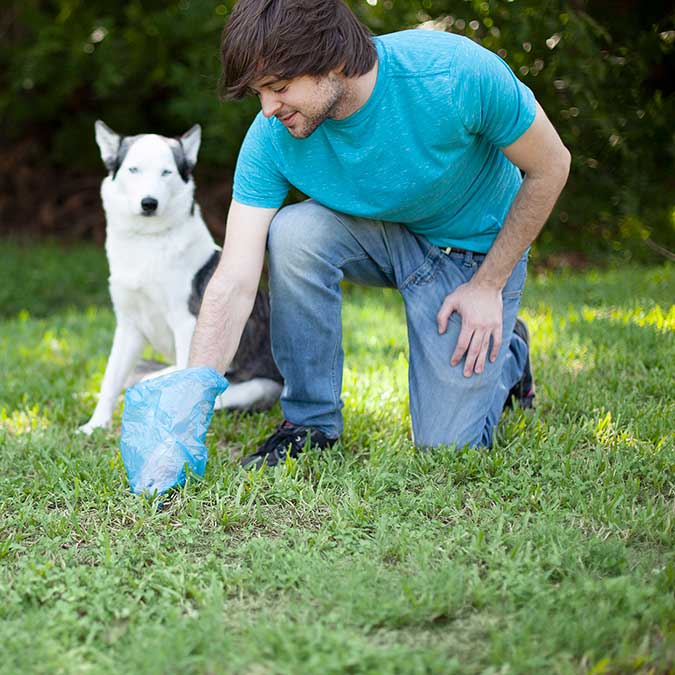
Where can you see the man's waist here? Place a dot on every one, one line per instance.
(456, 249)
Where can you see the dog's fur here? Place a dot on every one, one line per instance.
(161, 258)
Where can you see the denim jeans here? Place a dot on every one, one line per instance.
(311, 249)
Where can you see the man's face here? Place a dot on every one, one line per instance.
(301, 103)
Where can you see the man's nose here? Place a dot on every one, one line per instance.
(269, 103)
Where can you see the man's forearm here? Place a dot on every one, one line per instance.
(225, 308)
(540, 153)
(229, 297)
(530, 210)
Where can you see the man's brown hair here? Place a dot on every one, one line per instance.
(290, 38)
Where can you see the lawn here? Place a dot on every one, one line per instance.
(552, 553)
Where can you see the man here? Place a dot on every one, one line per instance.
(410, 147)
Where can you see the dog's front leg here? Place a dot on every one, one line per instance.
(182, 335)
(127, 346)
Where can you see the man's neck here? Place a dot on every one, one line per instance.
(357, 92)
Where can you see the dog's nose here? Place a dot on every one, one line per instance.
(149, 204)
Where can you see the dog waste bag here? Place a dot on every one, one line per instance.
(164, 426)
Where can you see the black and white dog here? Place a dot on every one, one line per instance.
(161, 258)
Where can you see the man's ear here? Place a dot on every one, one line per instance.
(109, 144)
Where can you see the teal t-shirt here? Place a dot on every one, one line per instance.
(424, 150)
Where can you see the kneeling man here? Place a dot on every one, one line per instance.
(412, 149)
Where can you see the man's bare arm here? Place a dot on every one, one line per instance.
(229, 296)
(540, 153)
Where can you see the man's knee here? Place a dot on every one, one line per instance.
(455, 411)
(428, 437)
(298, 229)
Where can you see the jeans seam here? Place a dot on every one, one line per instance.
(340, 264)
(387, 272)
(336, 394)
(338, 344)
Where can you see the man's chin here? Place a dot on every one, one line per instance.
(304, 130)
(298, 133)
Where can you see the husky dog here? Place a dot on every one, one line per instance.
(161, 257)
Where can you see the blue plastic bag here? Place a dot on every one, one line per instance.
(164, 425)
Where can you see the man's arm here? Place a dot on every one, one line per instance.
(540, 153)
(229, 296)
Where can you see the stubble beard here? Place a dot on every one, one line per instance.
(333, 93)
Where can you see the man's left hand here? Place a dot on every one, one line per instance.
(480, 308)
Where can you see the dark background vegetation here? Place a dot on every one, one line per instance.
(604, 72)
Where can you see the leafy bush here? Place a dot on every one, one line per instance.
(602, 71)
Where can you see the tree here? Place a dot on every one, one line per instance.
(603, 71)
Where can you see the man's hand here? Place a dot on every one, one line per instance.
(480, 308)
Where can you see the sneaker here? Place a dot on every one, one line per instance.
(288, 439)
(523, 390)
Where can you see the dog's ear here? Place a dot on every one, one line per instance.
(109, 144)
(191, 141)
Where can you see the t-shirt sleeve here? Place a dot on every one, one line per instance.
(493, 102)
(257, 178)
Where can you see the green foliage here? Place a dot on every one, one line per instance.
(552, 553)
(140, 66)
(602, 71)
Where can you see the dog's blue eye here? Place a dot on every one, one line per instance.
(133, 169)
(167, 172)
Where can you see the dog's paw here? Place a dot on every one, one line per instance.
(91, 426)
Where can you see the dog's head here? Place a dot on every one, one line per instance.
(148, 173)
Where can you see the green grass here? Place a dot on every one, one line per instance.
(552, 553)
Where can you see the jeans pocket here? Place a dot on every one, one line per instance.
(426, 272)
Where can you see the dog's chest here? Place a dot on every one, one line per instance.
(151, 288)
(154, 275)
(158, 296)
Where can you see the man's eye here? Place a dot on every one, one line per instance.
(167, 172)
(280, 91)
(133, 169)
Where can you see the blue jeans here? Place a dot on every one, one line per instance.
(311, 249)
